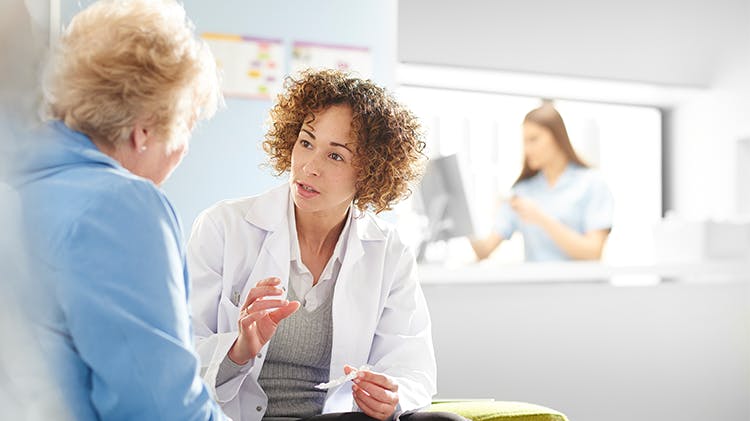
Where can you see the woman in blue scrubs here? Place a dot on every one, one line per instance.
(562, 207)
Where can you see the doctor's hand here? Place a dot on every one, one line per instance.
(259, 317)
(375, 394)
(527, 210)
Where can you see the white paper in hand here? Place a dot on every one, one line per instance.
(341, 380)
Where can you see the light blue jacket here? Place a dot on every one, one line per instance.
(110, 292)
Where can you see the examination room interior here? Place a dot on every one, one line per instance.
(660, 328)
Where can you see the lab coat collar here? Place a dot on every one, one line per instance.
(367, 227)
(268, 213)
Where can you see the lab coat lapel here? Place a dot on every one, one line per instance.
(363, 229)
(355, 301)
(269, 213)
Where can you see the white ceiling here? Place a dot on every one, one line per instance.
(673, 42)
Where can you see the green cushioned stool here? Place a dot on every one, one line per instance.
(489, 410)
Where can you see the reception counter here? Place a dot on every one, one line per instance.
(596, 341)
(556, 272)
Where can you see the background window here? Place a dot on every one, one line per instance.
(484, 129)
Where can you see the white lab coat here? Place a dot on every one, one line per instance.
(379, 313)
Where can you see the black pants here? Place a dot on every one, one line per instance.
(361, 416)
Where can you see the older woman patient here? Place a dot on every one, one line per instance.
(124, 89)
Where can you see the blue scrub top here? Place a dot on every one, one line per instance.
(580, 199)
(109, 293)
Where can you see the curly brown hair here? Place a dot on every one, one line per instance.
(389, 155)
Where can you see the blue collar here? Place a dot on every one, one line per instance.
(540, 179)
(82, 144)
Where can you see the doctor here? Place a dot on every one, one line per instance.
(299, 285)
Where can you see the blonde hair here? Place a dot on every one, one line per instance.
(122, 61)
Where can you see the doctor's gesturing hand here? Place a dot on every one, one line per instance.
(376, 394)
(258, 319)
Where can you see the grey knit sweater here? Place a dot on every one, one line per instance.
(298, 358)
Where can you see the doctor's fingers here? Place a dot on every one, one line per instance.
(261, 291)
(257, 328)
(371, 406)
(274, 314)
(246, 321)
(266, 325)
(377, 391)
(284, 311)
(378, 395)
(264, 304)
(272, 281)
(378, 379)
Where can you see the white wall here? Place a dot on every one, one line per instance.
(595, 351)
(706, 131)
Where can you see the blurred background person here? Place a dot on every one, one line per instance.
(123, 89)
(562, 207)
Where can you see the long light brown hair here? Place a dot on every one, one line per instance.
(548, 117)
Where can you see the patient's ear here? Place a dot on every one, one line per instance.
(139, 137)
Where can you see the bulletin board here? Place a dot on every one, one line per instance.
(250, 67)
(323, 56)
